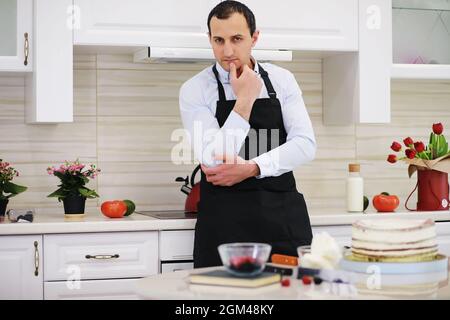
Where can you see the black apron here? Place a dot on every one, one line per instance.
(268, 210)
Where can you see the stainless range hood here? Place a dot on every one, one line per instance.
(158, 54)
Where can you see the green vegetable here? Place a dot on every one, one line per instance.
(366, 203)
(130, 207)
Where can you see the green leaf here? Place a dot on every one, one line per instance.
(58, 193)
(13, 188)
(442, 146)
(90, 194)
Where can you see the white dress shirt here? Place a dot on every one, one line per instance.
(198, 98)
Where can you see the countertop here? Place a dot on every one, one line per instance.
(175, 286)
(95, 222)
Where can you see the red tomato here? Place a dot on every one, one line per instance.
(384, 203)
(114, 209)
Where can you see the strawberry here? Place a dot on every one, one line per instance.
(285, 282)
(306, 280)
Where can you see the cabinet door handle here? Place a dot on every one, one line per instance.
(26, 48)
(102, 256)
(36, 259)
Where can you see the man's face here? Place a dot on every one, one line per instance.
(231, 41)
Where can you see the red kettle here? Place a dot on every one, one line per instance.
(192, 192)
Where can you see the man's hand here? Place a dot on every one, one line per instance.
(246, 88)
(232, 171)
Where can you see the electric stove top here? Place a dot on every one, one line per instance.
(173, 214)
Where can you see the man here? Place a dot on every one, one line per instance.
(240, 103)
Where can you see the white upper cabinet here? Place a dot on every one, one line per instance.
(287, 24)
(172, 23)
(16, 18)
(49, 89)
(356, 86)
(322, 25)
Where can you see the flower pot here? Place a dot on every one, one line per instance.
(3, 205)
(74, 204)
(432, 191)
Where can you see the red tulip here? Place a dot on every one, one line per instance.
(408, 141)
(438, 128)
(396, 146)
(410, 153)
(392, 158)
(419, 146)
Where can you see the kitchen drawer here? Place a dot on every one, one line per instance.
(118, 289)
(176, 266)
(100, 255)
(176, 245)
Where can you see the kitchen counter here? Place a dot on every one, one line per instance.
(175, 286)
(95, 222)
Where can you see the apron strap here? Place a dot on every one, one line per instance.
(219, 85)
(269, 87)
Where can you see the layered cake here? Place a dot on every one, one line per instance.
(394, 240)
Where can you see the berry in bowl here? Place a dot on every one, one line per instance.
(244, 259)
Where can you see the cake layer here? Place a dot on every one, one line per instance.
(389, 246)
(414, 258)
(395, 253)
(393, 224)
(394, 231)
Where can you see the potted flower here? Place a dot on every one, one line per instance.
(432, 163)
(7, 188)
(72, 190)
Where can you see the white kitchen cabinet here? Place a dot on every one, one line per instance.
(356, 86)
(176, 245)
(170, 23)
(21, 272)
(330, 25)
(49, 89)
(321, 25)
(421, 39)
(176, 248)
(16, 35)
(117, 289)
(100, 255)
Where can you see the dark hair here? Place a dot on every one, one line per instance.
(226, 8)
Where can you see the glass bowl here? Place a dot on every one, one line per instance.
(302, 250)
(244, 259)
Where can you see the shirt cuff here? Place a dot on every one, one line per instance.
(235, 121)
(265, 165)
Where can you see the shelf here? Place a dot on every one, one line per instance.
(423, 5)
(422, 9)
(421, 71)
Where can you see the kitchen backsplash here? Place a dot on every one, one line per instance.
(125, 114)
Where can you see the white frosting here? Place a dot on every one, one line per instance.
(394, 236)
(325, 253)
(393, 246)
(393, 224)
